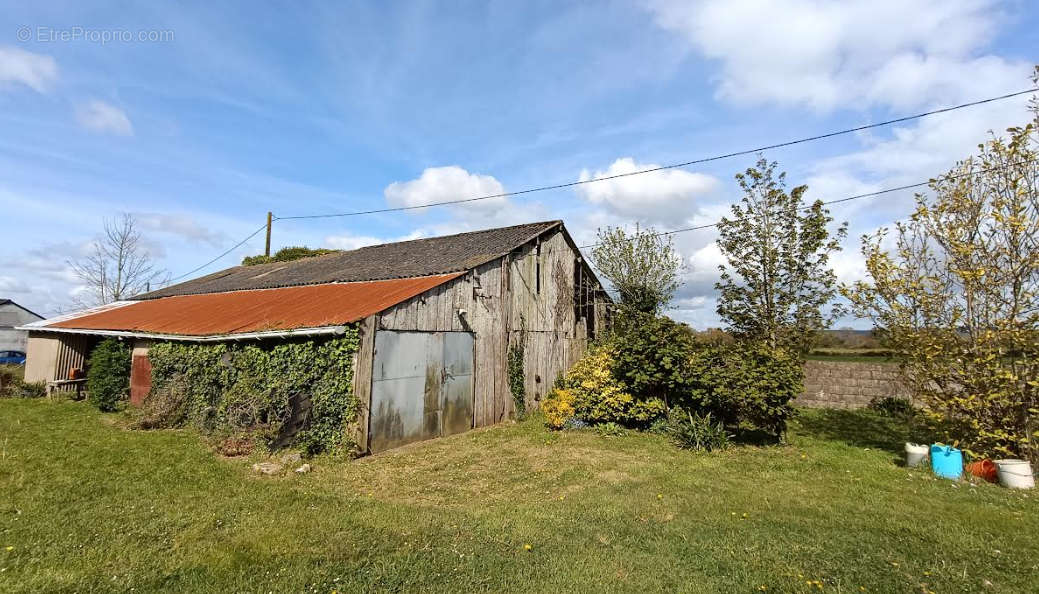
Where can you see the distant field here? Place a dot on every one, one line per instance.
(852, 355)
(89, 506)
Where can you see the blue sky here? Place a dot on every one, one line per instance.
(223, 111)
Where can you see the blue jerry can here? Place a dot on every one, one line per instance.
(946, 461)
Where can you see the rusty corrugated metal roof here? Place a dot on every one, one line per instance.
(260, 310)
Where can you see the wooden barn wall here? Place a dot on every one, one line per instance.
(479, 293)
(542, 313)
(504, 308)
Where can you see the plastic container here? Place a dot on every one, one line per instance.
(985, 469)
(946, 461)
(1015, 474)
(915, 454)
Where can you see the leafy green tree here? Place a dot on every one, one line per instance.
(108, 374)
(778, 282)
(957, 298)
(643, 267)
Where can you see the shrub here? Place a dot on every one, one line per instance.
(651, 355)
(558, 408)
(695, 432)
(599, 397)
(108, 374)
(164, 407)
(610, 430)
(746, 383)
(31, 389)
(892, 406)
(12, 385)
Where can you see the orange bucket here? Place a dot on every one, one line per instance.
(985, 469)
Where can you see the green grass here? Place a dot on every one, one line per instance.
(89, 506)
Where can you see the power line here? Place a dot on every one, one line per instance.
(687, 229)
(846, 199)
(671, 166)
(233, 248)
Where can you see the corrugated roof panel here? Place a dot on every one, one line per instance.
(234, 312)
(403, 259)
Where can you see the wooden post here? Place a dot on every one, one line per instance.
(267, 248)
(363, 362)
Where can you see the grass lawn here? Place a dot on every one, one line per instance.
(89, 506)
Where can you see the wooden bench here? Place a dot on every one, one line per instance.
(56, 385)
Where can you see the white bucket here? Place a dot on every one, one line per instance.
(915, 454)
(1015, 474)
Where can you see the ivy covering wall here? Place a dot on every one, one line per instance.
(235, 389)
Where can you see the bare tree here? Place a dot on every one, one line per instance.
(118, 265)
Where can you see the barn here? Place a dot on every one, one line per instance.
(436, 317)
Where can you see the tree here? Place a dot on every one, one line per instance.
(778, 280)
(957, 298)
(643, 267)
(118, 265)
(286, 254)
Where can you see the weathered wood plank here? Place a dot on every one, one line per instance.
(363, 361)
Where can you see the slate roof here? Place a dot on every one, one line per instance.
(405, 259)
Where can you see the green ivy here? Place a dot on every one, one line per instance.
(233, 388)
(519, 393)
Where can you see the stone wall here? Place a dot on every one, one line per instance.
(838, 384)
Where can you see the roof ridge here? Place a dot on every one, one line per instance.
(395, 259)
(474, 232)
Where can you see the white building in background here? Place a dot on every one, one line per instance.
(11, 316)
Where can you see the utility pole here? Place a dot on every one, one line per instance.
(267, 248)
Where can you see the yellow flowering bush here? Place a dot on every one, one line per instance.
(598, 397)
(558, 408)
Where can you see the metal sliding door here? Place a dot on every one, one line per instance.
(422, 387)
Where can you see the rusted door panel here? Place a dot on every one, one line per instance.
(422, 386)
(457, 385)
(140, 378)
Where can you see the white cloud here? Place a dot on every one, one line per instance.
(10, 285)
(349, 241)
(857, 52)
(441, 184)
(665, 196)
(104, 117)
(36, 71)
(181, 225)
